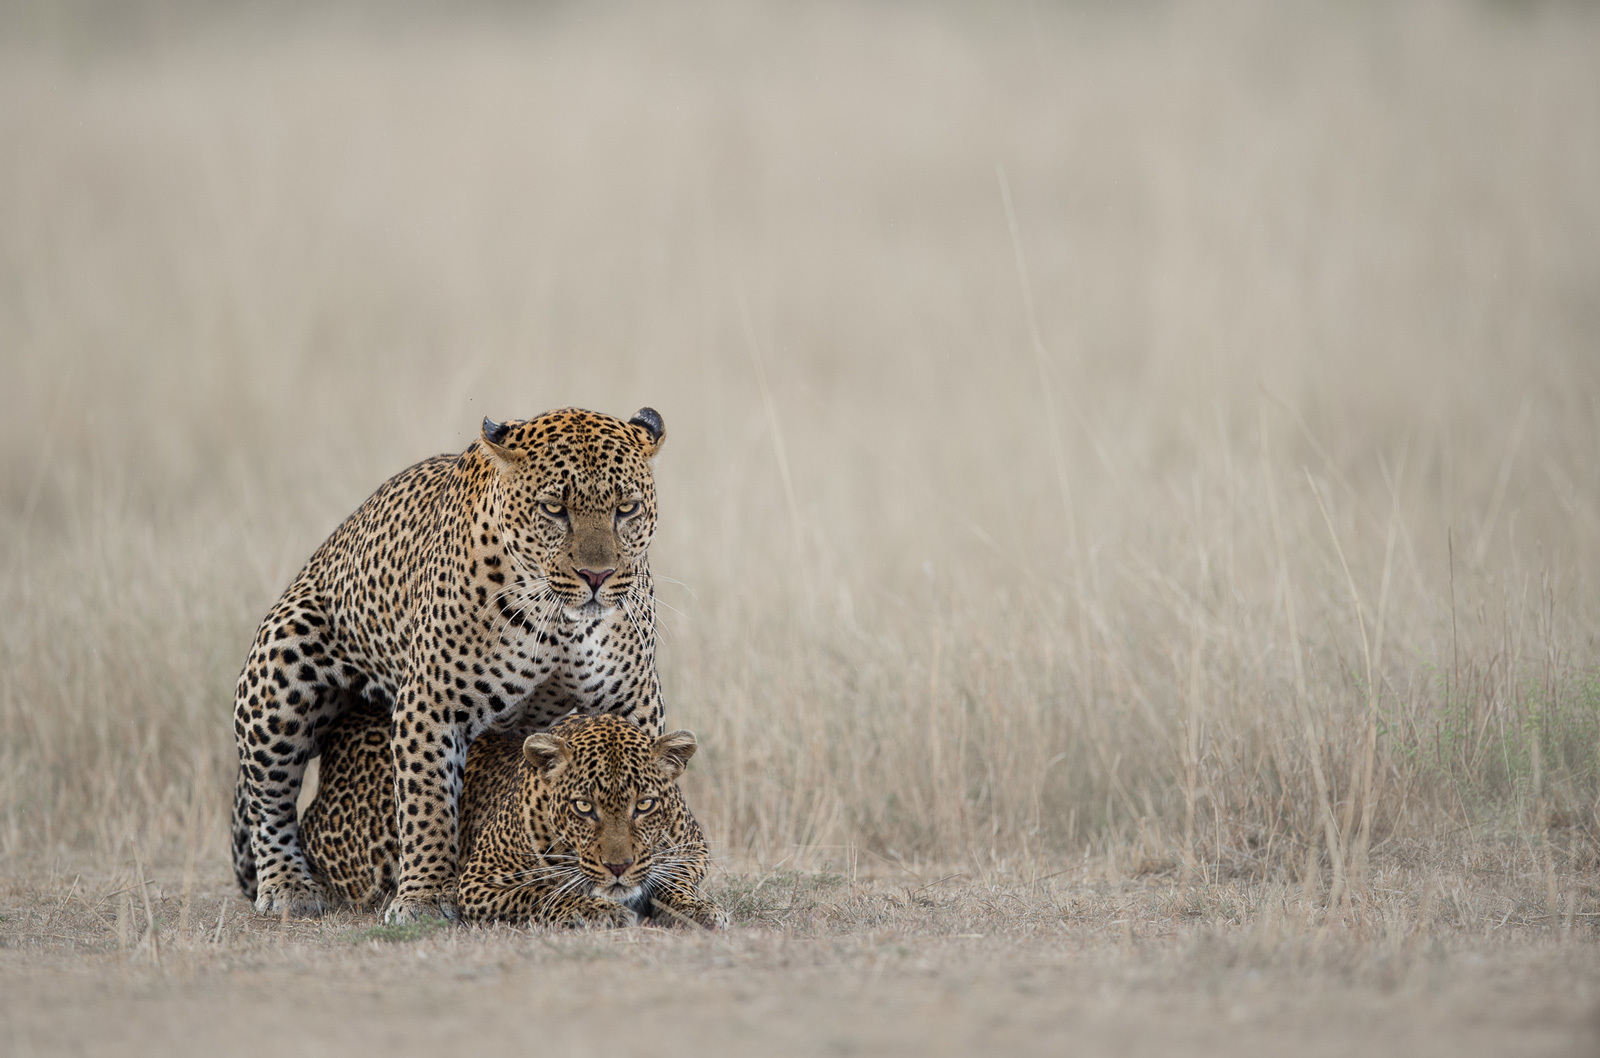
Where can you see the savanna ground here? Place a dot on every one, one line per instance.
(1130, 514)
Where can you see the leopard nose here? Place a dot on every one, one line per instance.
(619, 869)
(593, 579)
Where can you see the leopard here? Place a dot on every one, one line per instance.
(497, 588)
(582, 825)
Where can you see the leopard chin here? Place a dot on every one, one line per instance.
(621, 892)
(587, 611)
(639, 903)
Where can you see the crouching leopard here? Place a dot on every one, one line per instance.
(581, 825)
(499, 588)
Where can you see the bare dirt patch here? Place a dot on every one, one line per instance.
(817, 964)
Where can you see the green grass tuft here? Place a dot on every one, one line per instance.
(402, 934)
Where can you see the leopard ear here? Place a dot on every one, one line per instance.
(546, 752)
(649, 429)
(494, 433)
(672, 752)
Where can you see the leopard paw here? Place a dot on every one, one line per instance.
(404, 912)
(291, 900)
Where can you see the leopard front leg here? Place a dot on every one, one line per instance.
(537, 896)
(585, 912)
(686, 907)
(430, 753)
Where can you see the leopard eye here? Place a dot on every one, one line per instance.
(644, 806)
(625, 509)
(554, 510)
(582, 807)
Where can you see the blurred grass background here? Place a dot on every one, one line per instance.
(1161, 429)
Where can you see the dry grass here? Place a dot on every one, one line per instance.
(1154, 439)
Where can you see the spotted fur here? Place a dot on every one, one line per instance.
(580, 825)
(500, 588)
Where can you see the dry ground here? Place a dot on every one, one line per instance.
(885, 962)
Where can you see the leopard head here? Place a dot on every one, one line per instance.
(573, 504)
(607, 790)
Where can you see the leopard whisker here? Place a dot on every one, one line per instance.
(557, 893)
(540, 601)
(679, 583)
(683, 872)
(544, 621)
(646, 602)
(531, 579)
(632, 620)
(530, 883)
(674, 609)
(668, 850)
(555, 873)
(642, 592)
(558, 870)
(524, 598)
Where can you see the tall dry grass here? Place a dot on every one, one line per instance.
(1170, 430)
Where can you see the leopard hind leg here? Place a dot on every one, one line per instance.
(294, 684)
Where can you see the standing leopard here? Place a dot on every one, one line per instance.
(502, 587)
(581, 825)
